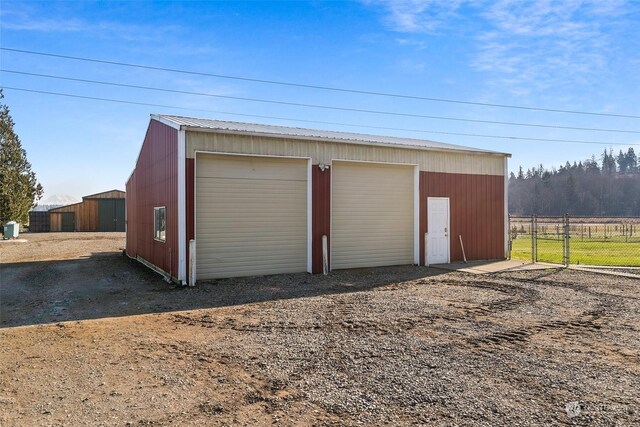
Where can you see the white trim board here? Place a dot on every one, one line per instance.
(182, 209)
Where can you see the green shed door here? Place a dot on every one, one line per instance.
(68, 221)
(111, 215)
(106, 215)
(119, 214)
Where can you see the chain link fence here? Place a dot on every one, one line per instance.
(569, 240)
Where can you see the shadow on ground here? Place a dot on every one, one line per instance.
(111, 285)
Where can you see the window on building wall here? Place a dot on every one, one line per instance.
(160, 223)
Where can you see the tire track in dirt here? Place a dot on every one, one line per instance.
(341, 314)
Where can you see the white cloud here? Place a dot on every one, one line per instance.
(417, 16)
(29, 20)
(523, 46)
(539, 45)
(417, 44)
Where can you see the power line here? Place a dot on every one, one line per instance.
(318, 87)
(326, 107)
(120, 101)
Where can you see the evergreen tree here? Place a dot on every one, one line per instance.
(19, 189)
(608, 162)
(622, 162)
(631, 160)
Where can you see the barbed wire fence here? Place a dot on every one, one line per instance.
(610, 242)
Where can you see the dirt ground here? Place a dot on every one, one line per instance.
(94, 338)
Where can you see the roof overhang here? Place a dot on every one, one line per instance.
(188, 128)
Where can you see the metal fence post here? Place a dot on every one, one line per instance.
(510, 234)
(534, 237)
(567, 235)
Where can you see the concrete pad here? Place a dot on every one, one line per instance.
(485, 267)
(603, 270)
(13, 240)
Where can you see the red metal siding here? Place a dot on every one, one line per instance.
(320, 215)
(476, 205)
(154, 183)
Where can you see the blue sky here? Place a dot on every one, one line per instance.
(570, 55)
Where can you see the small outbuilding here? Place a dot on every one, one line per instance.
(39, 221)
(97, 212)
(210, 199)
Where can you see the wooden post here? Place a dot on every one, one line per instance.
(464, 256)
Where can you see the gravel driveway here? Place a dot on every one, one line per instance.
(387, 346)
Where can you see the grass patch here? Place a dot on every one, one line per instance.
(586, 252)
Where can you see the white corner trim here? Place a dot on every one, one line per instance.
(164, 121)
(182, 208)
(506, 207)
(309, 216)
(416, 216)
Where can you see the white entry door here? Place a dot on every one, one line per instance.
(438, 230)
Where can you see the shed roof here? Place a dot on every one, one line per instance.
(106, 194)
(204, 125)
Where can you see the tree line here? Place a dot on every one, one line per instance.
(609, 187)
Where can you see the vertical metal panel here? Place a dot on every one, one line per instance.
(476, 209)
(154, 182)
(321, 214)
(423, 214)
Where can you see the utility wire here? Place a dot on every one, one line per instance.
(120, 101)
(309, 86)
(326, 107)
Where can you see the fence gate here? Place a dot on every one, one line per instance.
(549, 235)
(521, 240)
(539, 239)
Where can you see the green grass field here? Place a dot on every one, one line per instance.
(585, 252)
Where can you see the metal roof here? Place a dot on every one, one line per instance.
(204, 125)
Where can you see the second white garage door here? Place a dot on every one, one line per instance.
(372, 215)
(251, 215)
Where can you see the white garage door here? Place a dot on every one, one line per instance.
(251, 216)
(372, 215)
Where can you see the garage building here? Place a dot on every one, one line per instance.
(97, 212)
(251, 199)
